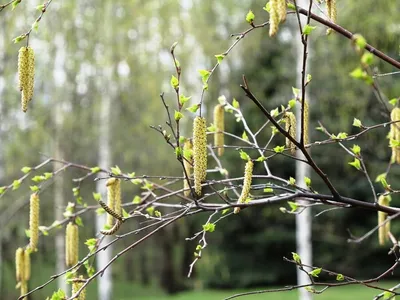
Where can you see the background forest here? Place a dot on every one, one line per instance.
(88, 50)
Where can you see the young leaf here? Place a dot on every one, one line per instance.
(183, 99)
(95, 170)
(339, 277)
(205, 74)
(116, 170)
(244, 136)
(193, 108)
(174, 82)
(356, 164)
(244, 155)
(308, 29)
(315, 272)
(26, 170)
(296, 258)
(220, 58)
(178, 115)
(209, 227)
(293, 205)
(235, 103)
(356, 149)
(250, 17)
(357, 123)
(279, 149)
(307, 181)
(292, 181)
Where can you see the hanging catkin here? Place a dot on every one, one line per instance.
(394, 134)
(290, 127)
(199, 153)
(331, 12)
(71, 244)
(273, 18)
(248, 173)
(34, 221)
(19, 264)
(26, 74)
(306, 123)
(113, 198)
(187, 164)
(383, 231)
(281, 7)
(27, 265)
(76, 285)
(219, 122)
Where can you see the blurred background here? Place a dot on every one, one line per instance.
(88, 51)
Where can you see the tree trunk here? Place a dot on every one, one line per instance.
(303, 220)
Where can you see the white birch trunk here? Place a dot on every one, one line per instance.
(106, 90)
(303, 220)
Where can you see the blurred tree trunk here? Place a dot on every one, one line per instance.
(104, 150)
(303, 220)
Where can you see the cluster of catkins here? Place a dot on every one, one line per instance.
(22, 256)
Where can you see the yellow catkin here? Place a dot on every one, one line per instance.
(27, 265)
(26, 74)
(384, 230)
(290, 126)
(19, 264)
(113, 198)
(187, 163)
(76, 285)
(273, 18)
(71, 244)
(281, 10)
(248, 173)
(199, 153)
(395, 134)
(34, 221)
(331, 12)
(219, 122)
(24, 289)
(306, 123)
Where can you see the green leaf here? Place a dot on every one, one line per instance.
(357, 123)
(15, 4)
(174, 82)
(339, 277)
(225, 211)
(27, 233)
(183, 99)
(380, 176)
(360, 41)
(292, 181)
(193, 108)
(43, 230)
(19, 38)
(40, 7)
(220, 58)
(34, 188)
(157, 214)
(261, 158)
(205, 74)
(268, 190)
(291, 6)
(244, 155)
(100, 211)
(91, 243)
(388, 295)
(309, 78)
(3, 189)
(95, 170)
(150, 210)
(178, 115)
(235, 103)
(356, 164)
(356, 149)
(307, 181)
(357, 73)
(78, 221)
(96, 196)
(384, 183)
(341, 136)
(296, 258)
(394, 101)
(308, 29)
(125, 214)
(279, 149)
(212, 128)
(178, 152)
(209, 227)
(47, 175)
(136, 181)
(76, 190)
(35, 26)
(116, 170)
(274, 112)
(16, 184)
(367, 58)
(293, 205)
(267, 7)
(26, 170)
(315, 272)
(244, 136)
(222, 100)
(199, 247)
(250, 17)
(292, 103)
